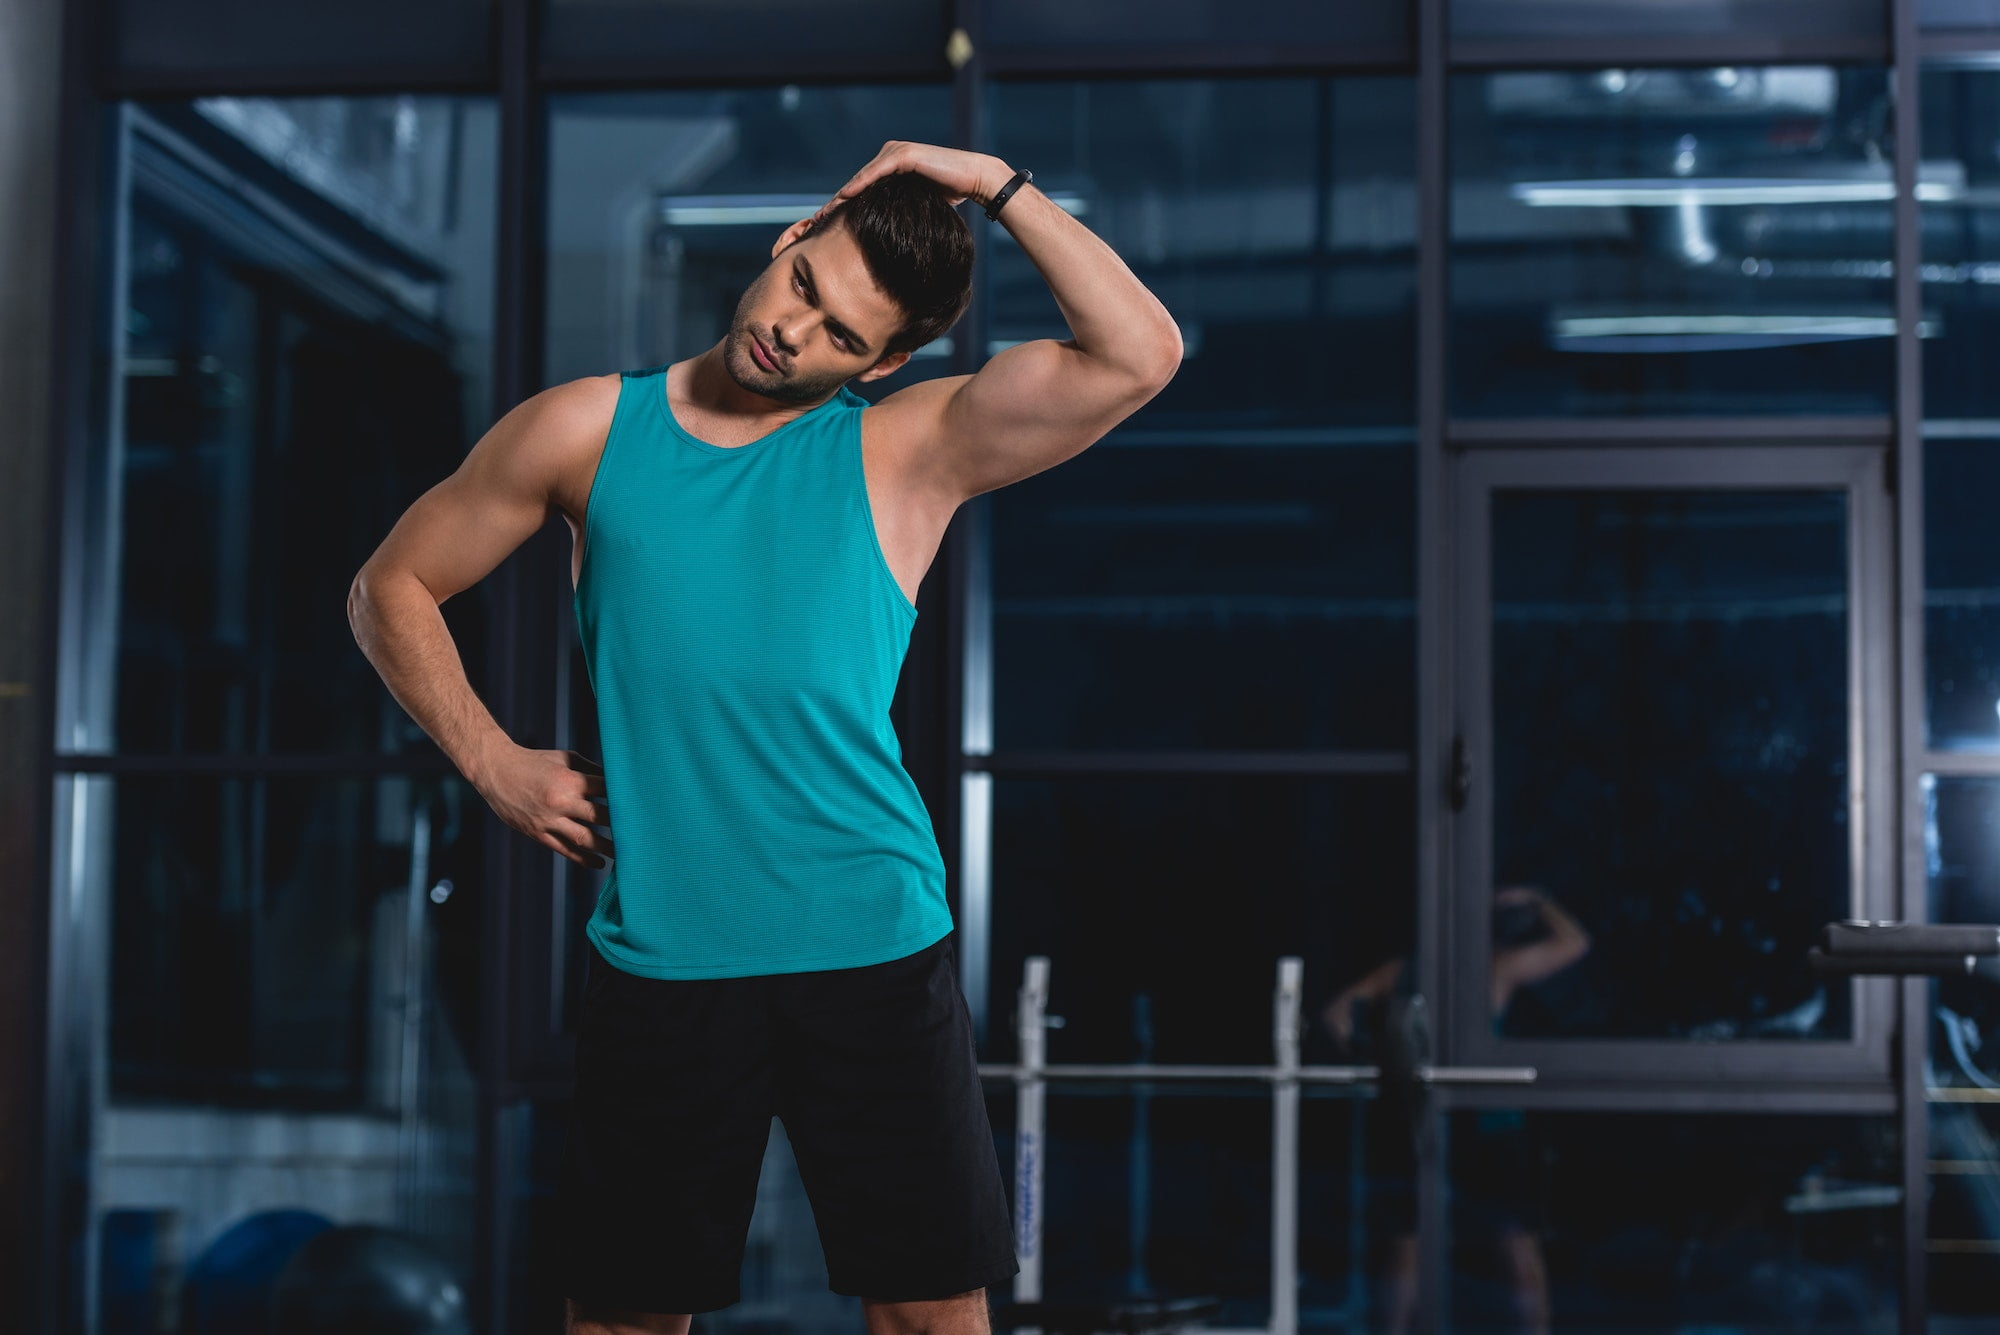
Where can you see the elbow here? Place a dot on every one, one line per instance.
(357, 603)
(1167, 361)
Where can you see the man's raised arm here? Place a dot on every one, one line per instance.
(1038, 403)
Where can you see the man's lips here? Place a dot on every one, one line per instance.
(763, 358)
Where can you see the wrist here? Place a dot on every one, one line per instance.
(992, 182)
(484, 758)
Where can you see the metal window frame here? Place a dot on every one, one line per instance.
(1857, 471)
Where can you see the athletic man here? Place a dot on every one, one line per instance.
(748, 539)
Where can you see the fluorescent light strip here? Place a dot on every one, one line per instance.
(1819, 326)
(1669, 191)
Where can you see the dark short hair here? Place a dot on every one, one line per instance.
(917, 249)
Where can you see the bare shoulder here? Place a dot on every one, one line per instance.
(560, 436)
(906, 433)
(574, 416)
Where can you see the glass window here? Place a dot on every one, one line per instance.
(1736, 20)
(1233, 565)
(1667, 1222)
(1164, 905)
(1962, 846)
(292, 1017)
(1275, 218)
(1362, 29)
(1961, 241)
(1670, 686)
(770, 39)
(274, 44)
(663, 208)
(1958, 14)
(1671, 241)
(286, 967)
(261, 935)
(1961, 593)
(304, 352)
(1172, 594)
(1147, 1193)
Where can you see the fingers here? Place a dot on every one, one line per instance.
(549, 841)
(581, 844)
(577, 760)
(881, 165)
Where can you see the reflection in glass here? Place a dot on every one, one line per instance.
(260, 930)
(1671, 241)
(1670, 684)
(300, 362)
(1962, 1077)
(294, 1010)
(1369, 1020)
(663, 207)
(1214, 596)
(1671, 1222)
(1164, 905)
(1961, 241)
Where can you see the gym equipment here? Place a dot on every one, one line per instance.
(1031, 1074)
(363, 1277)
(1860, 947)
(227, 1290)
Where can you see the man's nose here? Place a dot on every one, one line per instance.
(791, 334)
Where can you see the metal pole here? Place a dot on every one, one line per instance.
(412, 1184)
(1285, 1149)
(1031, 1029)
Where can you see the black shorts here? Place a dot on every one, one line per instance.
(873, 1071)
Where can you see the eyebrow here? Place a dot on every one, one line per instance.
(812, 285)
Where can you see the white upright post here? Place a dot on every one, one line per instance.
(1285, 1149)
(1031, 1031)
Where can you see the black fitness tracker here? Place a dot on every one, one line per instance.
(993, 209)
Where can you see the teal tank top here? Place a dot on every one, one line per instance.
(743, 634)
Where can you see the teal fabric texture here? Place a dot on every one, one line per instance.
(743, 635)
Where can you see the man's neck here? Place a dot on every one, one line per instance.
(709, 388)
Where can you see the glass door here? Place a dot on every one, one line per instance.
(1673, 702)
(1671, 764)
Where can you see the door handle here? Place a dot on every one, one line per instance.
(1461, 773)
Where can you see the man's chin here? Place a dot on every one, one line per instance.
(742, 366)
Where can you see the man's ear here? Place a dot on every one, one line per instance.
(888, 365)
(791, 234)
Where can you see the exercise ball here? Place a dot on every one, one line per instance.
(363, 1279)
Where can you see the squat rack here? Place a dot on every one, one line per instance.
(1032, 1073)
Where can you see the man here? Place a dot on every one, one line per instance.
(748, 540)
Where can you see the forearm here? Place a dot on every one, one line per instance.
(402, 631)
(1112, 316)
